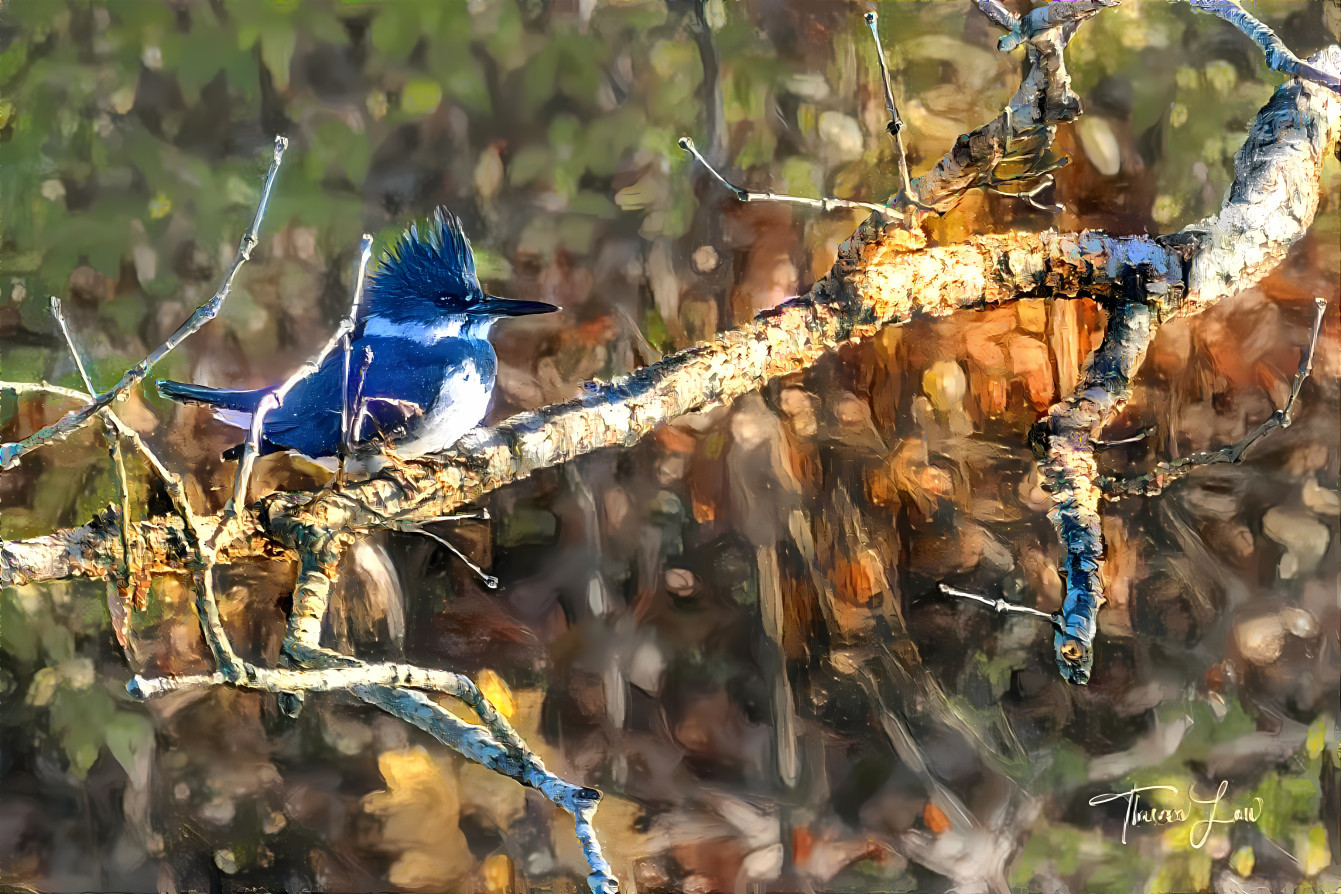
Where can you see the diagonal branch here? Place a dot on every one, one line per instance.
(1167, 472)
(1278, 55)
(76, 419)
(399, 690)
(124, 574)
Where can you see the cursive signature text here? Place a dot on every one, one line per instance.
(1204, 813)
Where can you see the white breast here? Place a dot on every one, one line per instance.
(461, 405)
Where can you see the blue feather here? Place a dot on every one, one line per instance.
(425, 275)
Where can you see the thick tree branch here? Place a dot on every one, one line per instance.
(1269, 207)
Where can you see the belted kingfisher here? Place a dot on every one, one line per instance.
(430, 375)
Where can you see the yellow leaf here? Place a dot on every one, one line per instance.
(496, 690)
(160, 206)
(1317, 738)
(498, 874)
(419, 97)
(420, 812)
(1316, 856)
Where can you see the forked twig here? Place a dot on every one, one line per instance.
(1165, 473)
(347, 434)
(75, 419)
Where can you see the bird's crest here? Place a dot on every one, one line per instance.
(424, 275)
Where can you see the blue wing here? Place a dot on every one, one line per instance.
(403, 381)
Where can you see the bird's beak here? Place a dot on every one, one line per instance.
(511, 307)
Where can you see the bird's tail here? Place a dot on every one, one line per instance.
(219, 398)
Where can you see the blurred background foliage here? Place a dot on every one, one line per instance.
(628, 642)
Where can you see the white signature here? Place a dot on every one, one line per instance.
(1139, 814)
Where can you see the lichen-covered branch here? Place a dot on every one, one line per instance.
(1269, 207)
(1277, 182)
(881, 278)
(1064, 442)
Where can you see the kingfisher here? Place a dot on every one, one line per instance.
(422, 370)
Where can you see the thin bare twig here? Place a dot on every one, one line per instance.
(1165, 473)
(746, 195)
(124, 575)
(75, 419)
(353, 428)
(999, 605)
(487, 579)
(346, 432)
(275, 399)
(895, 125)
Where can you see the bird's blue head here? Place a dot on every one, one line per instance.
(425, 277)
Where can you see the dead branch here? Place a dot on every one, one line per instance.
(76, 419)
